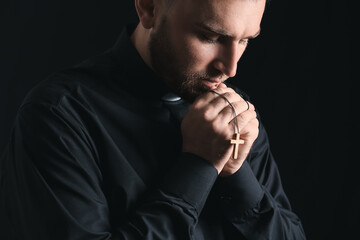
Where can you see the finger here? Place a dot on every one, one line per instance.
(228, 114)
(239, 125)
(219, 103)
(252, 126)
(243, 118)
(249, 133)
(225, 99)
(210, 96)
(211, 103)
(221, 85)
(242, 106)
(223, 89)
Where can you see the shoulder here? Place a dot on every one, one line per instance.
(75, 82)
(53, 105)
(51, 90)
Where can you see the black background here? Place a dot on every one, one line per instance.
(299, 73)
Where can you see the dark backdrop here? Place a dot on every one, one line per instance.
(299, 73)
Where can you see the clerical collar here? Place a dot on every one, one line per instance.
(171, 97)
(139, 77)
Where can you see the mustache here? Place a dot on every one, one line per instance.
(213, 75)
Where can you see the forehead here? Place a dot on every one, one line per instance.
(233, 16)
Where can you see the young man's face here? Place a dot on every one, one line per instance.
(195, 45)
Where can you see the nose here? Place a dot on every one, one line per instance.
(228, 58)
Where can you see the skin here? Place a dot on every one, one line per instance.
(194, 46)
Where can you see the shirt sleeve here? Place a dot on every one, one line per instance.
(253, 200)
(54, 185)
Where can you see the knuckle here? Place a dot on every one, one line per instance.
(206, 114)
(238, 106)
(255, 128)
(220, 90)
(254, 123)
(236, 97)
(197, 105)
(215, 127)
(253, 114)
(230, 90)
(251, 106)
(227, 95)
(224, 90)
(227, 133)
(228, 111)
(257, 123)
(242, 117)
(241, 98)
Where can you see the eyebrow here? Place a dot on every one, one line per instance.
(224, 33)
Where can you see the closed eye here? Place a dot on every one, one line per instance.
(209, 39)
(244, 41)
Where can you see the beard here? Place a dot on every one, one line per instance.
(174, 72)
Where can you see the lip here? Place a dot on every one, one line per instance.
(212, 84)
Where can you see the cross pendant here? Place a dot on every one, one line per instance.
(236, 143)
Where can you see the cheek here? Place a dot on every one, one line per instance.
(198, 55)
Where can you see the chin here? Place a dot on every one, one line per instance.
(190, 95)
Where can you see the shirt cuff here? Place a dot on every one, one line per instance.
(191, 179)
(241, 190)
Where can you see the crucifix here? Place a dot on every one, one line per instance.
(236, 143)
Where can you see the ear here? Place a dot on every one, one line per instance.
(146, 12)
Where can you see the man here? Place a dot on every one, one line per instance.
(108, 149)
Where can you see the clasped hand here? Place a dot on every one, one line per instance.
(208, 127)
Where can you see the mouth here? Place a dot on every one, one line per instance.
(212, 84)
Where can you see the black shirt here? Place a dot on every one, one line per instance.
(95, 153)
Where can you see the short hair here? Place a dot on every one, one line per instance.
(170, 2)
